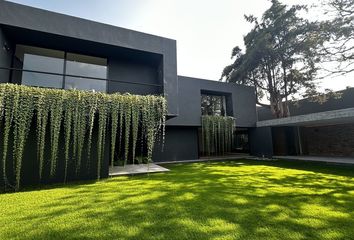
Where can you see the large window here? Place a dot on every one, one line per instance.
(85, 66)
(41, 60)
(213, 105)
(62, 70)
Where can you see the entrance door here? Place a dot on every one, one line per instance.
(241, 141)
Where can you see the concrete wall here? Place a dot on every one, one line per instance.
(181, 143)
(130, 71)
(306, 107)
(260, 140)
(243, 101)
(6, 51)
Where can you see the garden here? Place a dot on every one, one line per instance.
(240, 199)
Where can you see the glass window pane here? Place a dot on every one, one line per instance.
(86, 66)
(213, 105)
(42, 80)
(85, 84)
(43, 60)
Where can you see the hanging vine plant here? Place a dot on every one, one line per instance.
(22, 122)
(74, 112)
(217, 134)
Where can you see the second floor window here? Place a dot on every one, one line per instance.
(58, 69)
(213, 105)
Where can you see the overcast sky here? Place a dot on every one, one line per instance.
(205, 30)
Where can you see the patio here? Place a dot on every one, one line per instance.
(136, 169)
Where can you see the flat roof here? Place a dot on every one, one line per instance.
(333, 117)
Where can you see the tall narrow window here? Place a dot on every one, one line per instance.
(92, 69)
(36, 60)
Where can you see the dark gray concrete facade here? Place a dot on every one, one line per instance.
(6, 50)
(35, 25)
(132, 57)
(261, 142)
(241, 102)
(150, 61)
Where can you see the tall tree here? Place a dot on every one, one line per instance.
(338, 28)
(280, 56)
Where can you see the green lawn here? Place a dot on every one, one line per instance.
(231, 200)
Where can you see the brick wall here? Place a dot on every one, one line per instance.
(336, 140)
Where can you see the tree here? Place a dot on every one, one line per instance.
(339, 32)
(280, 56)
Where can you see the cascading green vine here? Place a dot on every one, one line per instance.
(42, 120)
(81, 130)
(22, 122)
(135, 112)
(217, 134)
(68, 118)
(102, 124)
(56, 100)
(127, 123)
(72, 114)
(10, 104)
(92, 103)
(114, 127)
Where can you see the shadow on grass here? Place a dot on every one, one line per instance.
(240, 199)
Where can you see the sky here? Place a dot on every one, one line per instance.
(205, 30)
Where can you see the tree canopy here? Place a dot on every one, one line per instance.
(280, 56)
(338, 29)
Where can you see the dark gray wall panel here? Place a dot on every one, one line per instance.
(132, 72)
(261, 143)
(6, 51)
(35, 19)
(181, 143)
(189, 100)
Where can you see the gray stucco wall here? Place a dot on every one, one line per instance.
(5, 57)
(189, 101)
(130, 71)
(24, 17)
(181, 143)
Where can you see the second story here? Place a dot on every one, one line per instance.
(48, 49)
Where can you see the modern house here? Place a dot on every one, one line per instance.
(47, 49)
(313, 129)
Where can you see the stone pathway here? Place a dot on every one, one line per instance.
(136, 169)
(338, 160)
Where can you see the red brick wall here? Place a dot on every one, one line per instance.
(336, 140)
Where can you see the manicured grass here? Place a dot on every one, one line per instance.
(231, 200)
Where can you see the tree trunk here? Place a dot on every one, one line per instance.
(278, 107)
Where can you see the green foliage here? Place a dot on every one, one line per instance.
(42, 120)
(22, 122)
(217, 134)
(224, 200)
(338, 29)
(74, 112)
(55, 101)
(280, 57)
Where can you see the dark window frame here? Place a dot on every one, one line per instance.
(64, 74)
(227, 101)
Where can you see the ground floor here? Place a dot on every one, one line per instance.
(324, 140)
(183, 143)
(242, 199)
